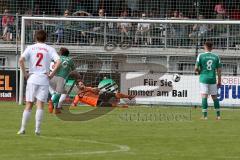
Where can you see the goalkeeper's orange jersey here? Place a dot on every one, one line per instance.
(87, 96)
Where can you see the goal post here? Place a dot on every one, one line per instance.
(21, 79)
(162, 21)
(167, 49)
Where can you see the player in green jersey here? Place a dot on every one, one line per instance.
(57, 83)
(207, 65)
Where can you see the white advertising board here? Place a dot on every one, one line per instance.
(161, 89)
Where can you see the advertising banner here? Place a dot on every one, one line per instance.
(7, 85)
(176, 89)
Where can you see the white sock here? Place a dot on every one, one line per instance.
(51, 91)
(38, 118)
(61, 99)
(25, 117)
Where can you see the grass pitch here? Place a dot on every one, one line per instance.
(136, 133)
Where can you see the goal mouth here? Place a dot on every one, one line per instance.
(136, 59)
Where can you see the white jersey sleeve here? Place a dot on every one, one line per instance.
(198, 58)
(26, 54)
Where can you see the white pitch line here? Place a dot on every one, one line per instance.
(121, 148)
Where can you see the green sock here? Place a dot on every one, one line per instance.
(217, 107)
(205, 114)
(55, 97)
(204, 106)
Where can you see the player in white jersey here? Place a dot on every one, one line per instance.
(39, 57)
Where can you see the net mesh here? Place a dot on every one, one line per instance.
(113, 8)
(115, 35)
(102, 46)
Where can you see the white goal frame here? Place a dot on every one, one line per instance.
(94, 19)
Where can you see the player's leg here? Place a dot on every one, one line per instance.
(60, 102)
(213, 91)
(106, 99)
(55, 95)
(216, 106)
(55, 98)
(61, 94)
(121, 95)
(25, 117)
(109, 99)
(204, 106)
(60, 83)
(118, 96)
(30, 97)
(50, 103)
(41, 96)
(204, 94)
(52, 91)
(52, 86)
(115, 103)
(39, 116)
(62, 97)
(75, 101)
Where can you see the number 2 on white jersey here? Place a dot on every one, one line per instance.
(209, 65)
(40, 58)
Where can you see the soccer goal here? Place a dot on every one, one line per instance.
(151, 58)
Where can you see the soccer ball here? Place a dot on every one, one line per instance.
(176, 77)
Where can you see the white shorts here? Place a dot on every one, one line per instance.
(40, 92)
(210, 89)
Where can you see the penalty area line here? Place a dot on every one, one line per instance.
(120, 148)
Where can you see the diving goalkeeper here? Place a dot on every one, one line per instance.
(93, 97)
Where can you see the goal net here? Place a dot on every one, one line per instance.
(152, 59)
